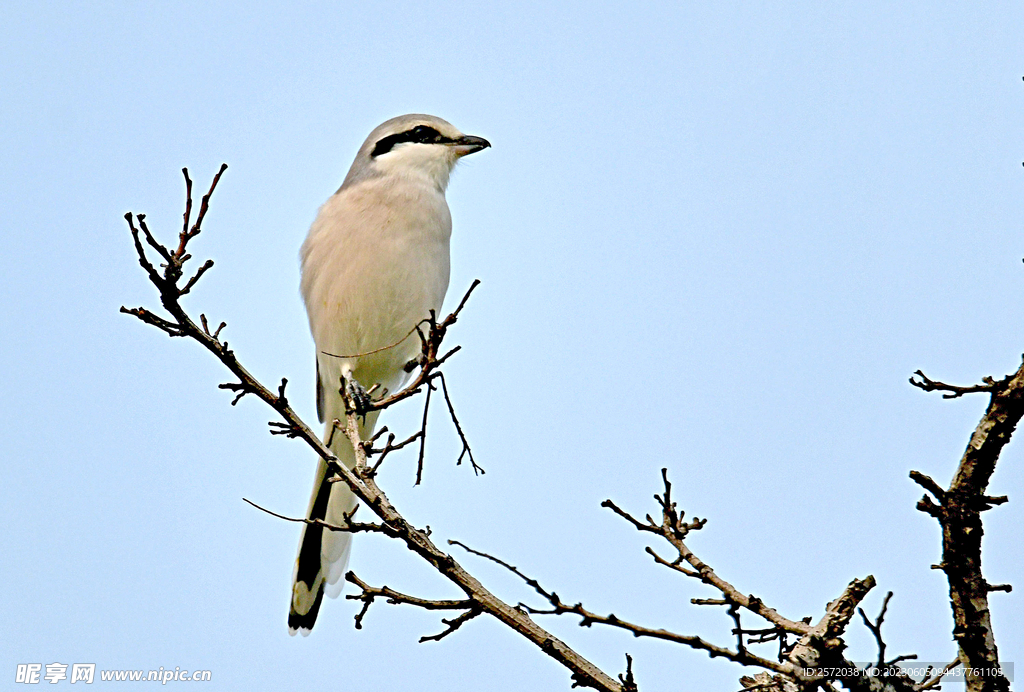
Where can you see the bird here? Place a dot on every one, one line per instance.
(375, 263)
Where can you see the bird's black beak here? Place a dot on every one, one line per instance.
(468, 144)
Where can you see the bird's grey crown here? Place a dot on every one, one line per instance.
(406, 123)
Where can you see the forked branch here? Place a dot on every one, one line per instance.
(362, 479)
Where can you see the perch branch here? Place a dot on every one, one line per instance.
(363, 485)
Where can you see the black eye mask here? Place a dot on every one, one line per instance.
(421, 134)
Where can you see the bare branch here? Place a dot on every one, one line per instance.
(348, 527)
(589, 618)
(928, 484)
(148, 317)
(876, 628)
(952, 391)
(163, 252)
(455, 419)
(452, 624)
(206, 327)
(423, 434)
(144, 262)
(204, 207)
(676, 564)
(395, 597)
(804, 665)
(674, 530)
(390, 446)
(371, 593)
(627, 680)
(188, 201)
(958, 512)
(242, 388)
(584, 673)
(286, 429)
(198, 275)
(930, 682)
(450, 320)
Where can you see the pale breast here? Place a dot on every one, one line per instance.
(375, 263)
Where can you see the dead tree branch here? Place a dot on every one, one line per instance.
(952, 391)
(809, 656)
(589, 618)
(937, 675)
(876, 630)
(812, 661)
(674, 529)
(958, 510)
(361, 480)
(349, 526)
(369, 593)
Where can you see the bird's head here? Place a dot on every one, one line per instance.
(419, 146)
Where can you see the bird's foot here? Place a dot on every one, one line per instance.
(358, 395)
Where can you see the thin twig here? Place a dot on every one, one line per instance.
(477, 470)
(876, 628)
(674, 529)
(423, 434)
(952, 391)
(588, 618)
(349, 526)
(452, 625)
(937, 677)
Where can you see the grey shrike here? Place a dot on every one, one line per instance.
(375, 264)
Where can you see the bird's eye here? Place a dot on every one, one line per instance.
(424, 134)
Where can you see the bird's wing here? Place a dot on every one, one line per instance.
(319, 393)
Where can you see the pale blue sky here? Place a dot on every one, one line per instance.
(716, 237)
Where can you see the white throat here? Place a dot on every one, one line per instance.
(428, 163)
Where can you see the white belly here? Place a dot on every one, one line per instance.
(375, 263)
